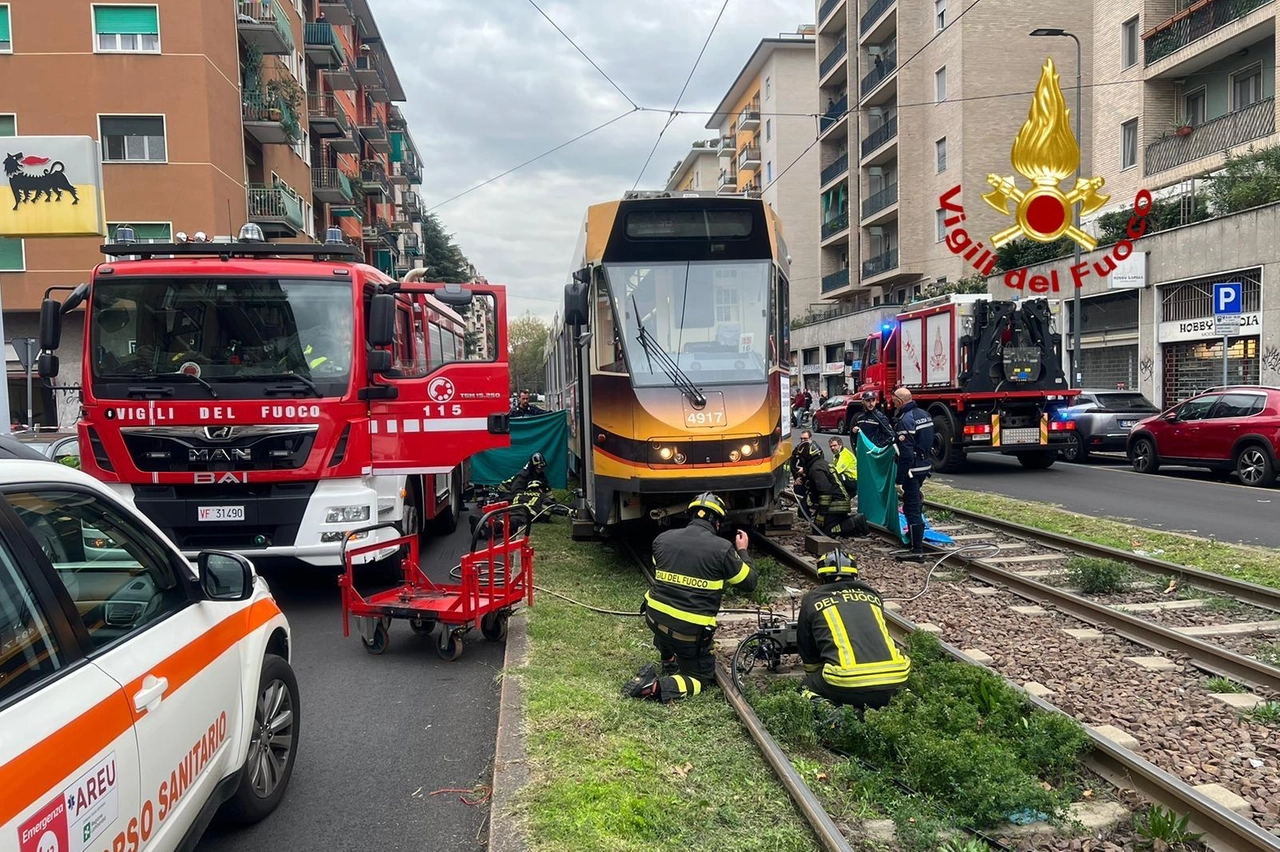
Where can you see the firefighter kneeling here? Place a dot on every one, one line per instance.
(844, 644)
(825, 495)
(528, 493)
(692, 566)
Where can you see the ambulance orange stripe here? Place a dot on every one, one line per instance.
(55, 758)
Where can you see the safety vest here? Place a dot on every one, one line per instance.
(692, 566)
(842, 632)
(846, 463)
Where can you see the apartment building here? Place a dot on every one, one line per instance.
(765, 124)
(210, 114)
(699, 170)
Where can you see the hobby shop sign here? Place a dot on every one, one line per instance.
(1045, 152)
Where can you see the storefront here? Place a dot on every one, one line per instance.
(1109, 345)
(1190, 354)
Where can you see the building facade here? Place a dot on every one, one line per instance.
(699, 171)
(210, 114)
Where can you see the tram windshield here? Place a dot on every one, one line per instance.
(710, 318)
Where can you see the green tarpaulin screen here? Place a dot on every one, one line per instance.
(547, 434)
(877, 497)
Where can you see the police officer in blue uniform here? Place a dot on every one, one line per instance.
(914, 430)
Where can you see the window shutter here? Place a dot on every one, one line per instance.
(132, 125)
(8, 125)
(10, 255)
(4, 23)
(108, 20)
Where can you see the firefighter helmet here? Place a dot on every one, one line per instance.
(537, 460)
(837, 563)
(807, 452)
(707, 505)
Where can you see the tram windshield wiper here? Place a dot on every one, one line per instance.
(654, 351)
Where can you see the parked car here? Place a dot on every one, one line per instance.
(830, 417)
(53, 445)
(1103, 419)
(139, 695)
(1226, 429)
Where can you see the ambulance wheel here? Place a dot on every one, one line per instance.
(452, 649)
(381, 638)
(272, 745)
(422, 628)
(494, 626)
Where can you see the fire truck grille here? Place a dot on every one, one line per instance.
(202, 449)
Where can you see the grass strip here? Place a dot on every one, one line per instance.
(618, 774)
(1255, 564)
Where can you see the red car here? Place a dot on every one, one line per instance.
(1224, 429)
(831, 416)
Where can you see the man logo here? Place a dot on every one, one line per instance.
(219, 433)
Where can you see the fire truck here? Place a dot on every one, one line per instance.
(267, 398)
(989, 372)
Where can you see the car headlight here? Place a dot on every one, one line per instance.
(347, 514)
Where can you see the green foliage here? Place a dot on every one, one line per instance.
(967, 845)
(441, 256)
(1269, 653)
(770, 574)
(972, 284)
(1266, 713)
(527, 340)
(1247, 180)
(1224, 684)
(1021, 252)
(787, 714)
(1095, 576)
(1165, 213)
(1163, 829)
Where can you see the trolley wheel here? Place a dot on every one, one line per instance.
(422, 628)
(451, 649)
(493, 626)
(381, 638)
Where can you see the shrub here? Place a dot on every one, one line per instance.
(1223, 684)
(1269, 653)
(1096, 576)
(1162, 829)
(1266, 713)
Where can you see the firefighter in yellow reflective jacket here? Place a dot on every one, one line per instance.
(844, 644)
(845, 465)
(692, 567)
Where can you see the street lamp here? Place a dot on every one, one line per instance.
(1075, 209)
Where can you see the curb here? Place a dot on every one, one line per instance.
(510, 762)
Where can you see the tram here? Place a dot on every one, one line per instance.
(672, 357)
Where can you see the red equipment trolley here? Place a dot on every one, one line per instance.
(493, 580)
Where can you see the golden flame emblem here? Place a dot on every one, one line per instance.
(1045, 152)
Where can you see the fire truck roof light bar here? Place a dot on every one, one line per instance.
(146, 251)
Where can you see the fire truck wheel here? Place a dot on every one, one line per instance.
(452, 649)
(1038, 461)
(494, 626)
(1074, 450)
(447, 521)
(948, 455)
(381, 638)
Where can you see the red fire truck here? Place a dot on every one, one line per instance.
(266, 398)
(989, 372)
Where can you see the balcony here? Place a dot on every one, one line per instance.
(268, 118)
(326, 117)
(263, 24)
(323, 47)
(727, 147)
(338, 12)
(374, 132)
(1192, 24)
(411, 244)
(833, 58)
(407, 171)
(331, 185)
(370, 75)
(749, 119)
(1212, 137)
(396, 120)
(874, 14)
(411, 206)
(834, 113)
(276, 209)
(749, 158)
(878, 201)
(752, 188)
(835, 280)
(885, 63)
(728, 184)
(825, 10)
(341, 78)
(880, 264)
(835, 170)
(835, 225)
(880, 137)
(373, 177)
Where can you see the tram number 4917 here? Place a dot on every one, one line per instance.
(704, 418)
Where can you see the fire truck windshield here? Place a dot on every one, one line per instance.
(233, 331)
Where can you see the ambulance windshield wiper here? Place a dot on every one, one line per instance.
(277, 377)
(163, 377)
(654, 351)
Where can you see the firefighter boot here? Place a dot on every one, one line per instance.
(670, 666)
(644, 684)
(916, 553)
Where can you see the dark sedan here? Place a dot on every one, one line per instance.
(1103, 420)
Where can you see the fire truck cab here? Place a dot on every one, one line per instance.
(267, 398)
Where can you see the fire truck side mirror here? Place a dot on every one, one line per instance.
(379, 361)
(50, 324)
(47, 364)
(382, 320)
(577, 307)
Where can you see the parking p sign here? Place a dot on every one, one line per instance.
(1227, 298)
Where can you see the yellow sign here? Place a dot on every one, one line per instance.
(52, 187)
(1046, 152)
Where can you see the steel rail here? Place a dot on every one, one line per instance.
(1224, 830)
(1258, 595)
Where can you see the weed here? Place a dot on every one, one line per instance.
(1096, 576)
(916, 829)
(770, 573)
(970, 844)
(1266, 713)
(942, 516)
(1269, 653)
(1163, 829)
(1223, 684)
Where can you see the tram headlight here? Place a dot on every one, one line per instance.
(747, 450)
(666, 453)
(734, 455)
(680, 458)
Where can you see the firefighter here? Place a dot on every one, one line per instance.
(844, 644)
(825, 496)
(528, 490)
(845, 465)
(915, 462)
(870, 420)
(692, 567)
(797, 481)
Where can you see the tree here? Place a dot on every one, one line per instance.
(1165, 213)
(526, 340)
(972, 284)
(1024, 252)
(442, 257)
(1247, 180)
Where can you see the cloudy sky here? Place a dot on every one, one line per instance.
(490, 84)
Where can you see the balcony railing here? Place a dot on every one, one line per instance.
(874, 14)
(324, 108)
(885, 63)
(837, 53)
(749, 157)
(371, 127)
(412, 245)
(728, 179)
(750, 118)
(264, 25)
(835, 225)
(835, 280)
(1212, 137)
(275, 206)
(269, 118)
(369, 71)
(338, 12)
(833, 171)
(331, 185)
(374, 177)
(880, 200)
(827, 7)
(880, 136)
(323, 46)
(834, 112)
(1193, 24)
(880, 263)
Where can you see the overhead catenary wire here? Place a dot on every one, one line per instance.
(584, 54)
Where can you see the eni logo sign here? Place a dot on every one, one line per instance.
(1046, 153)
(51, 187)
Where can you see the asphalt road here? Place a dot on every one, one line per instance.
(379, 733)
(1177, 499)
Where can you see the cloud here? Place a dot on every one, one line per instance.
(490, 84)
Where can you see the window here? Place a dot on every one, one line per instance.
(1129, 144)
(1129, 43)
(132, 138)
(127, 29)
(940, 149)
(1239, 405)
(768, 88)
(31, 652)
(768, 171)
(12, 252)
(939, 14)
(146, 232)
(1197, 409)
(1193, 107)
(941, 216)
(6, 37)
(768, 129)
(302, 146)
(940, 84)
(120, 578)
(8, 125)
(1246, 87)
